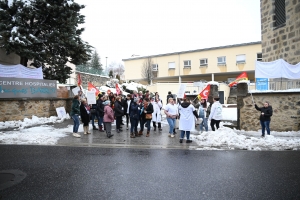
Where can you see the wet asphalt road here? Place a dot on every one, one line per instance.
(65, 172)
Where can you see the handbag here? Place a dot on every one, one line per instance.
(148, 116)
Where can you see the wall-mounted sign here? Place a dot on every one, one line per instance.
(262, 84)
(27, 88)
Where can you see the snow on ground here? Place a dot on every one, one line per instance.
(222, 139)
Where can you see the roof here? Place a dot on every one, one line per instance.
(191, 51)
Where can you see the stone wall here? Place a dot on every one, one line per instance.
(286, 109)
(282, 42)
(96, 80)
(18, 109)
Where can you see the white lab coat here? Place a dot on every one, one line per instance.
(187, 118)
(156, 115)
(216, 111)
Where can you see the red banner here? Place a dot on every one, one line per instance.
(204, 94)
(241, 77)
(91, 87)
(79, 81)
(118, 91)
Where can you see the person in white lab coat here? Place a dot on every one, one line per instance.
(156, 115)
(215, 115)
(187, 114)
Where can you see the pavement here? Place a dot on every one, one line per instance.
(156, 140)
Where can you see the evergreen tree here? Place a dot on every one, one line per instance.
(46, 32)
(96, 61)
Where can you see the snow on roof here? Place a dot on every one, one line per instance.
(213, 83)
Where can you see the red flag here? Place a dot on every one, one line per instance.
(242, 76)
(118, 89)
(184, 96)
(91, 87)
(79, 81)
(204, 94)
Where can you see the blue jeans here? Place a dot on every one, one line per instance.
(203, 123)
(147, 121)
(265, 125)
(133, 124)
(93, 119)
(76, 123)
(187, 134)
(172, 124)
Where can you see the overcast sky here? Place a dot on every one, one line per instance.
(120, 28)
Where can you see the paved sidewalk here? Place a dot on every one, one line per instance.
(156, 140)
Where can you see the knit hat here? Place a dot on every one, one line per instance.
(106, 102)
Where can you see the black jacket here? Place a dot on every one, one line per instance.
(268, 112)
(125, 105)
(149, 110)
(118, 109)
(100, 107)
(85, 117)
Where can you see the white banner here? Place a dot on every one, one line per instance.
(19, 71)
(91, 97)
(75, 90)
(277, 69)
(61, 112)
(181, 91)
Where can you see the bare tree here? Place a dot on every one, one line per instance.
(116, 68)
(147, 70)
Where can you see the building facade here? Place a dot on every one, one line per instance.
(221, 64)
(280, 30)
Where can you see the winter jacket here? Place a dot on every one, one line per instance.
(118, 109)
(75, 109)
(268, 112)
(100, 107)
(85, 115)
(149, 110)
(134, 110)
(216, 111)
(108, 114)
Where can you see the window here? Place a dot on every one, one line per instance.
(187, 63)
(240, 58)
(279, 15)
(259, 56)
(154, 67)
(222, 60)
(171, 65)
(203, 62)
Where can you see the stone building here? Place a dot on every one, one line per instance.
(280, 30)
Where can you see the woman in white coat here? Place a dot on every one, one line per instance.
(186, 120)
(156, 115)
(215, 115)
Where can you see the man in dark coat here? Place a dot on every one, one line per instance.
(100, 111)
(119, 112)
(265, 117)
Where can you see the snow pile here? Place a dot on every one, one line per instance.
(226, 138)
(30, 122)
(133, 86)
(42, 135)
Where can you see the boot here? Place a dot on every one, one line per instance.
(95, 128)
(140, 132)
(148, 134)
(101, 128)
(109, 135)
(137, 134)
(159, 126)
(154, 126)
(87, 130)
(84, 130)
(132, 135)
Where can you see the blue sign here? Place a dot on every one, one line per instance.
(27, 88)
(262, 83)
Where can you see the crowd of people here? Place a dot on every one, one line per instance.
(142, 109)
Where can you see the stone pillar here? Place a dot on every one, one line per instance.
(214, 91)
(242, 91)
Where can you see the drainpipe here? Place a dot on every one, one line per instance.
(212, 77)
